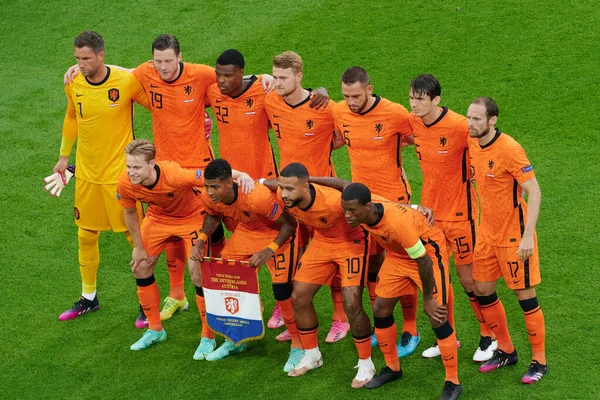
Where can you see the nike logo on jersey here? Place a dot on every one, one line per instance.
(78, 95)
(153, 86)
(219, 101)
(352, 277)
(275, 116)
(345, 126)
(463, 257)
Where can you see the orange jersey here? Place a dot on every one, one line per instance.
(325, 215)
(400, 228)
(171, 199)
(444, 157)
(177, 109)
(304, 135)
(501, 167)
(373, 140)
(255, 211)
(244, 129)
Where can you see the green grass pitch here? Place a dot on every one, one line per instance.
(538, 60)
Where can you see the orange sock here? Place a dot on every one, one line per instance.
(206, 332)
(150, 300)
(363, 347)
(386, 337)
(495, 316)
(483, 328)
(371, 285)
(309, 337)
(448, 351)
(450, 307)
(536, 329)
(336, 295)
(410, 303)
(176, 259)
(287, 312)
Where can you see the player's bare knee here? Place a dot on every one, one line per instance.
(351, 301)
(483, 288)
(383, 307)
(300, 300)
(435, 324)
(525, 294)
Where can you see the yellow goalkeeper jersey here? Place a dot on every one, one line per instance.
(100, 116)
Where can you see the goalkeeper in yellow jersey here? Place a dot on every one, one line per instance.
(100, 115)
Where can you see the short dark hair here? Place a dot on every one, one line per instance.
(355, 74)
(218, 169)
(426, 84)
(231, 57)
(357, 191)
(491, 108)
(164, 42)
(295, 170)
(90, 39)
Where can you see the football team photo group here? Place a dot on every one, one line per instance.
(290, 213)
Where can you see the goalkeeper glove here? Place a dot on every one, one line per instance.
(208, 125)
(57, 181)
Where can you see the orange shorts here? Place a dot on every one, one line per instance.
(460, 236)
(492, 262)
(322, 261)
(157, 234)
(243, 243)
(399, 276)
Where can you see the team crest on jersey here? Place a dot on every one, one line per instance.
(249, 103)
(323, 220)
(246, 214)
(490, 164)
(187, 90)
(113, 94)
(310, 124)
(171, 195)
(232, 305)
(378, 127)
(443, 141)
(76, 212)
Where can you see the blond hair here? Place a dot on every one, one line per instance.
(288, 59)
(141, 147)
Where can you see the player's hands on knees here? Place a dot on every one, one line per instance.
(261, 258)
(71, 74)
(427, 212)
(138, 256)
(198, 251)
(208, 126)
(319, 98)
(525, 248)
(246, 183)
(434, 310)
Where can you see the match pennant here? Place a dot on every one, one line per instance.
(232, 297)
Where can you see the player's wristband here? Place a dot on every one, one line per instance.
(273, 246)
(414, 206)
(262, 182)
(203, 236)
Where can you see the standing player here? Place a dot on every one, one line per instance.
(507, 243)
(264, 235)
(307, 135)
(239, 106)
(176, 92)
(100, 114)
(441, 137)
(416, 257)
(174, 211)
(336, 249)
(373, 129)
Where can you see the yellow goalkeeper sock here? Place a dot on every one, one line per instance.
(89, 258)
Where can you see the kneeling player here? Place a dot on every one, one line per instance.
(416, 256)
(264, 234)
(335, 247)
(174, 212)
